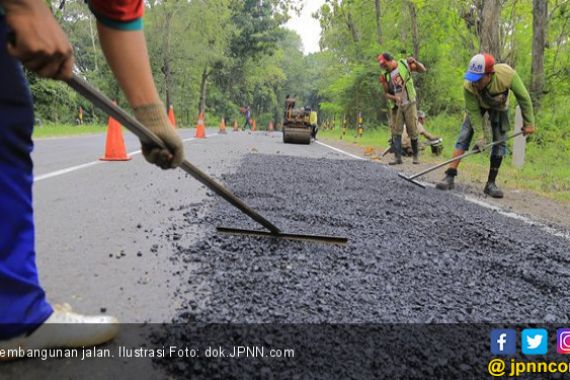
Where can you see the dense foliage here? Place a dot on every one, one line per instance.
(220, 55)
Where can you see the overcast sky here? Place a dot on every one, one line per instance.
(306, 26)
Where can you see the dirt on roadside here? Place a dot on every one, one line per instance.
(522, 202)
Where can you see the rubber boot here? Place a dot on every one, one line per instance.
(415, 152)
(447, 183)
(492, 190)
(397, 145)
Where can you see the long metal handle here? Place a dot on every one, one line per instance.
(146, 136)
(484, 147)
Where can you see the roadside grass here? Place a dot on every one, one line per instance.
(546, 170)
(59, 130)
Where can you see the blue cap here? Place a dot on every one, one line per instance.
(480, 65)
(473, 77)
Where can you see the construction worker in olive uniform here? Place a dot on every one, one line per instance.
(486, 90)
(400, 93)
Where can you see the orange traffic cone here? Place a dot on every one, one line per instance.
(222, 130)
(253, 126)
(200, 128)
(115, 145)
(270, 128)
(236, 127)
(171, 116)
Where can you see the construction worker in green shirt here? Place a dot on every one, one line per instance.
(400, 93)
(486, 90)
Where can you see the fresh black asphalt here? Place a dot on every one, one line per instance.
(414, 257)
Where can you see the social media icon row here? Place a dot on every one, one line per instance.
(533, 341)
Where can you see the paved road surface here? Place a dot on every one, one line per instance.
(140, 243)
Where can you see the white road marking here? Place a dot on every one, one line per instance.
(342, 151)
(65, 171)
(509, 214)
(87, 165)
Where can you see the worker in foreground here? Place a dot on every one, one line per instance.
(486, 91)
(29, 35)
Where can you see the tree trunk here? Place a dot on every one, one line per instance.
(167, 75)
(415, 38)
(92, 35)
(470, 14)
(166, 68)
(416, 45)
(378, 22)
(403, 24)
(489, 32)
(203, 90)
(539, 26)
(352, 27)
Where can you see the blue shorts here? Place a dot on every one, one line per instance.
(499, 127)
(23, 304)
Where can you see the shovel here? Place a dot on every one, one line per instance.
(470, 153)
(103, 103)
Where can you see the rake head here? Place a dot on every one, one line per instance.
(412, 181)
(279, 235)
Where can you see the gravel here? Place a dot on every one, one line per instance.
(412, 295)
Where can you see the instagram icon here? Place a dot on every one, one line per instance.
(563, 341)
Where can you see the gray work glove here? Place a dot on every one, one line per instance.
(483, 136)
(153, 116)
(479, 144)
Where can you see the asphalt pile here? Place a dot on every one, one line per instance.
(417, 260)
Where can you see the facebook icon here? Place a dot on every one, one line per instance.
(503, 342)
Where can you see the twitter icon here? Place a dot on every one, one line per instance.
(534, 341)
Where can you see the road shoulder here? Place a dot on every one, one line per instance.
(523, 202)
